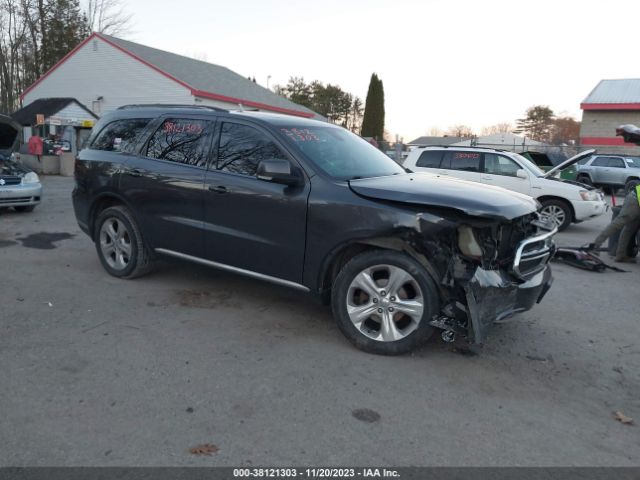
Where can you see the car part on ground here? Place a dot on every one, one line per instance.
(309, 205)
(583, 258)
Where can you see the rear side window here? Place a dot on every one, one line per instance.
(182, 140)
(121, 135)
(600, 162)
(616, 162)
(465, 161)
(430, 159)
(242, 148)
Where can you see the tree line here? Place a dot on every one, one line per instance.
(36, 34)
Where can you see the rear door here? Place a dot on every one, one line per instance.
(462, 164)
(253, 224)
(616, 171)
(598, 169)
(502, 171)
(165, 183)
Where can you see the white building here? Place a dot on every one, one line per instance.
(104, 73)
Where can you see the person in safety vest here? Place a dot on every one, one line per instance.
(628, 220)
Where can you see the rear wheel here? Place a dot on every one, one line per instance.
(25, 208)
(383, 301)
(631, 184)
(585, 179)
(558, 212)
(120, 245)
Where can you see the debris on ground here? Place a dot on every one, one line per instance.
(622, 418)
(204, 449)
(366, 415)
(583, 258)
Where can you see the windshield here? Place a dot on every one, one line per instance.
(529, 165)
(340, 153)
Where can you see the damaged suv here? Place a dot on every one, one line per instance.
(311, 206)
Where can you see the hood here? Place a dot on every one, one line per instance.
(9, 131)
(437, 191)
(571, 161)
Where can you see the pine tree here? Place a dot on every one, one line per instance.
(373, 120)
(66, 26)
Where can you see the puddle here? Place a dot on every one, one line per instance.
(44, 240)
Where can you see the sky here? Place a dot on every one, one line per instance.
(442, 62)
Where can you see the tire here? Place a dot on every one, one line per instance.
(630, 185)
(25, 208)
(585, 179)
(414, 290)
(120, 245)
(557, 211)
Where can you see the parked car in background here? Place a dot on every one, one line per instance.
(612, 171)
(20, 187)
(309, 205)
(563, 201)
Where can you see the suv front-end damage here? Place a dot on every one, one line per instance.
(487, 269)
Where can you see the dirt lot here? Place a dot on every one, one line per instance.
(100, 371)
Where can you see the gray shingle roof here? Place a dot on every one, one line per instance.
(615, 91)
(207, 77)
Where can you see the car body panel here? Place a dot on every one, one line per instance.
(299, 235)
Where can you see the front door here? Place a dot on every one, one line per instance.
(253, 224)
(501, 171)
(165, 184)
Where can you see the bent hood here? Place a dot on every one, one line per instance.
(8, 135)
(426, 189)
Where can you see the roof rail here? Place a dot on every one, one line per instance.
(171, 105)
(465, 146)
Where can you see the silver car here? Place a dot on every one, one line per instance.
(614, 171)
(20, 187)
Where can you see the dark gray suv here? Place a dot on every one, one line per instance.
(311, 206)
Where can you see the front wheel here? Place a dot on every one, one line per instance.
(557, 212)
(120, 245)
(383, 302)
(585, 179)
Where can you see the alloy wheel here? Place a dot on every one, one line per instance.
(553, 213)
(385, 303)
(115, 243)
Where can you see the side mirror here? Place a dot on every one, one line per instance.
(522, 174)
(278, 171)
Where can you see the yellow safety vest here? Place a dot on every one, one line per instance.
(638, 192)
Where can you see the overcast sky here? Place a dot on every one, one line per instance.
(442, 62)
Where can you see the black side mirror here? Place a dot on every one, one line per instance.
(278, 171)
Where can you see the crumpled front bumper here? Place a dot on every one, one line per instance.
(493, 295)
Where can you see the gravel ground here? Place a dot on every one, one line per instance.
(101, 372)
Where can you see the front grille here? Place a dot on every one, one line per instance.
(10, 180)
(4, 201)
(533, 254)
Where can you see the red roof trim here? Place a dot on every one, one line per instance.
(60, 62)
(614, 141)
(249, 103)
(198, 93)
(610, 106)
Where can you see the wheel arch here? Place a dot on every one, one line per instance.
(341, 255)
(543, 198)
(102, 202)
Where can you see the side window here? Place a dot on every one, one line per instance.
(181, 140)
(616, 162)
(430, 159)
(465, 161)
(600, 162)
(242, 147)
(500, 165)
(120, 136)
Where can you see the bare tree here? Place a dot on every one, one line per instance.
(435, 132)
(108, 16)
(13, 32)
(459, 131)
(502, 127)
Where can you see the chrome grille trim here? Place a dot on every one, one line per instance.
(541, 255)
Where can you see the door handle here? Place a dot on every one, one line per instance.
(135, 172)
(485, 177)
(443, 172)
(218, 189)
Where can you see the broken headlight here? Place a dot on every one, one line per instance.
(468, 244)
